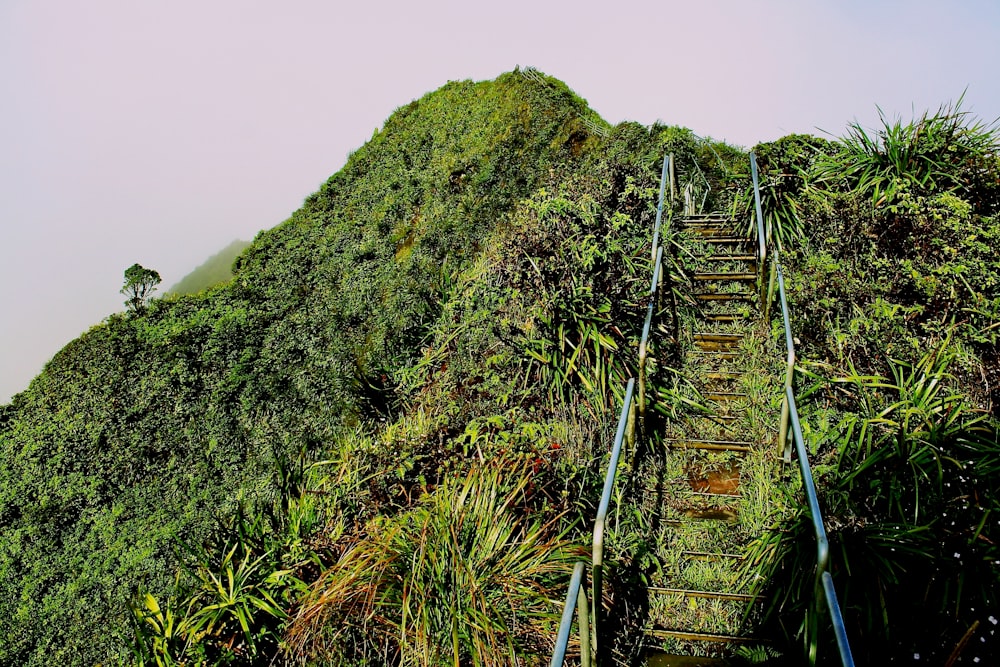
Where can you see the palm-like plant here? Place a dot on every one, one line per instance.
(943, 151)
(908, 498)
(468, 577)
(784, 171)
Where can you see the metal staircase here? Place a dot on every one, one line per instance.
(699, 602)
(709, 455)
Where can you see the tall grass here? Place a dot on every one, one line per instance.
(908, 497)
(947, 150)
(470, 576)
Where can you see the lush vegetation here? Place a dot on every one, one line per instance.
(378, 442)
(205, 478)
(215, 270)
(891, 238)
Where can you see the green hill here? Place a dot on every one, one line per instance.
(381, 441)
(216, 270)
(378, 327)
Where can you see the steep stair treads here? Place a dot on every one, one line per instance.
(710, 497)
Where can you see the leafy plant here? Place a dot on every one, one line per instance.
(947, 150)
(907, 494)
(467, 577)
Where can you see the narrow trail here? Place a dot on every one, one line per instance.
(711, 469)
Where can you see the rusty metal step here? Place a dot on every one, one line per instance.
(717, 296)
(718, 277)
(710, 445)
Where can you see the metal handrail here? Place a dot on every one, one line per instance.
(626, 424)
(575, 597)
(790, 417)
(625, 433)
(761, 237)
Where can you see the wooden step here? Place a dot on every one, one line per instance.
(708, 595)
(716, 346)
(687, 635)
(718, 337)
(725, 240)
(717, 296)
(714, 557)
(716, 354)
(723, 514)
(723, 376)
(711, 232)
(729, 258)
(736, 277)
(671, 660)
(710, 445)
(723, 395)
(724, 317)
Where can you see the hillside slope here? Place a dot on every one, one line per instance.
(215, 270)
(150, 427)
(411, 318)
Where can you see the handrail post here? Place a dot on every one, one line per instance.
(597, 574)
(761, 235)
(565, 624)
(673, 182)
(583, 622)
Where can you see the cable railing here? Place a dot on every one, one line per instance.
(824, 589)
(633, 411)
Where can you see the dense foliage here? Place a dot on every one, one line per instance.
(895, 295)
(185, 482)
(215, 270)
(377, 441)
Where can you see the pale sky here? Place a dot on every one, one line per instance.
(157, 131)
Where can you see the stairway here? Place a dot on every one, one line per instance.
(710, 474)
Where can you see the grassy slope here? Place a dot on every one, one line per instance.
(215, 270)
(150, 427)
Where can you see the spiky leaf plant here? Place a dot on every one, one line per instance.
(948, 150)
(470, 576)
(908, 503)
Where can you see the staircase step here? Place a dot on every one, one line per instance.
(736, 337)
(729, 258)
(723, 395)
(723, 375)
(723, 514)
(716, 354)
(701, 636)
(724, 317)
(710, 232)
(739, 277)
(712, 595)
(709, 214)
(711, 445)
(705, 555)
(717, 296)
(670, 660)
(716, 346)
(725, 240)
